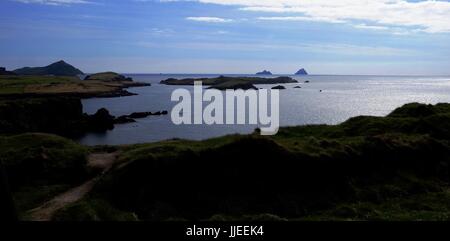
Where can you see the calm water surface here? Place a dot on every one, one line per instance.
(342, 97)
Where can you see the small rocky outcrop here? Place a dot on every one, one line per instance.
(137, 115)
(100, 121)
(279, 87)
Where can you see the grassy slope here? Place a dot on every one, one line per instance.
(17, 85)
(368, 168)
(41, 165)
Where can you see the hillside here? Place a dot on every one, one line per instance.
(367, 168)
(59, 68)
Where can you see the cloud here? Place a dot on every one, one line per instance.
(430, 16)
(210, 19)
(54, 2)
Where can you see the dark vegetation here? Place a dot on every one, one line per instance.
(3, 71)
(39, 166)
(58, 115)
(367, 168)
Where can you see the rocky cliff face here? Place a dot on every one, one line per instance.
(57, 115)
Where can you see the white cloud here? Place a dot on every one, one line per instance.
(210, 19)
(54, 2)
(430, 16)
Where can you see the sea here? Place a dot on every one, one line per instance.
(322, 99)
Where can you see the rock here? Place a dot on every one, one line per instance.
(123, 120)
(101, 121)
(279, 87)
(137, 115)
(265, 72)
(297, 87)
(306, 81)
(165, 112)
(301, 72)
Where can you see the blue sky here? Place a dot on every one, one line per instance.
(229, 36)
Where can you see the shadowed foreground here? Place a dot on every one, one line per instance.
(367, 168)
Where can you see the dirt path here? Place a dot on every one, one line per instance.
(45, 212)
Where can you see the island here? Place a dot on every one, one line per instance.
(265, 72)
(301, 72)
(223, 83)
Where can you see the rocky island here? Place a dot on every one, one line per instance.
(301, 72)
(223, 83)
(265, 72)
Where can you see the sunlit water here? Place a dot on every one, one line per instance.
(342, 97)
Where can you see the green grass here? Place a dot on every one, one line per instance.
(367, 168)
(39, 166)
(93, 210)
(363, 167)
(32, 196)
(11, 84)
(430, 206)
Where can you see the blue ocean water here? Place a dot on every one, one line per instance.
(324, 100)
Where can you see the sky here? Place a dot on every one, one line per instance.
(380, 37)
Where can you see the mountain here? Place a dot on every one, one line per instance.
(59, 68)
(301, 72)
(265, 72)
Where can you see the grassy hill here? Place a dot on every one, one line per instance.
(59, 68)
(35, 85)
(367, 168)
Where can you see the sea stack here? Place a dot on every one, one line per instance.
(301, 72)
